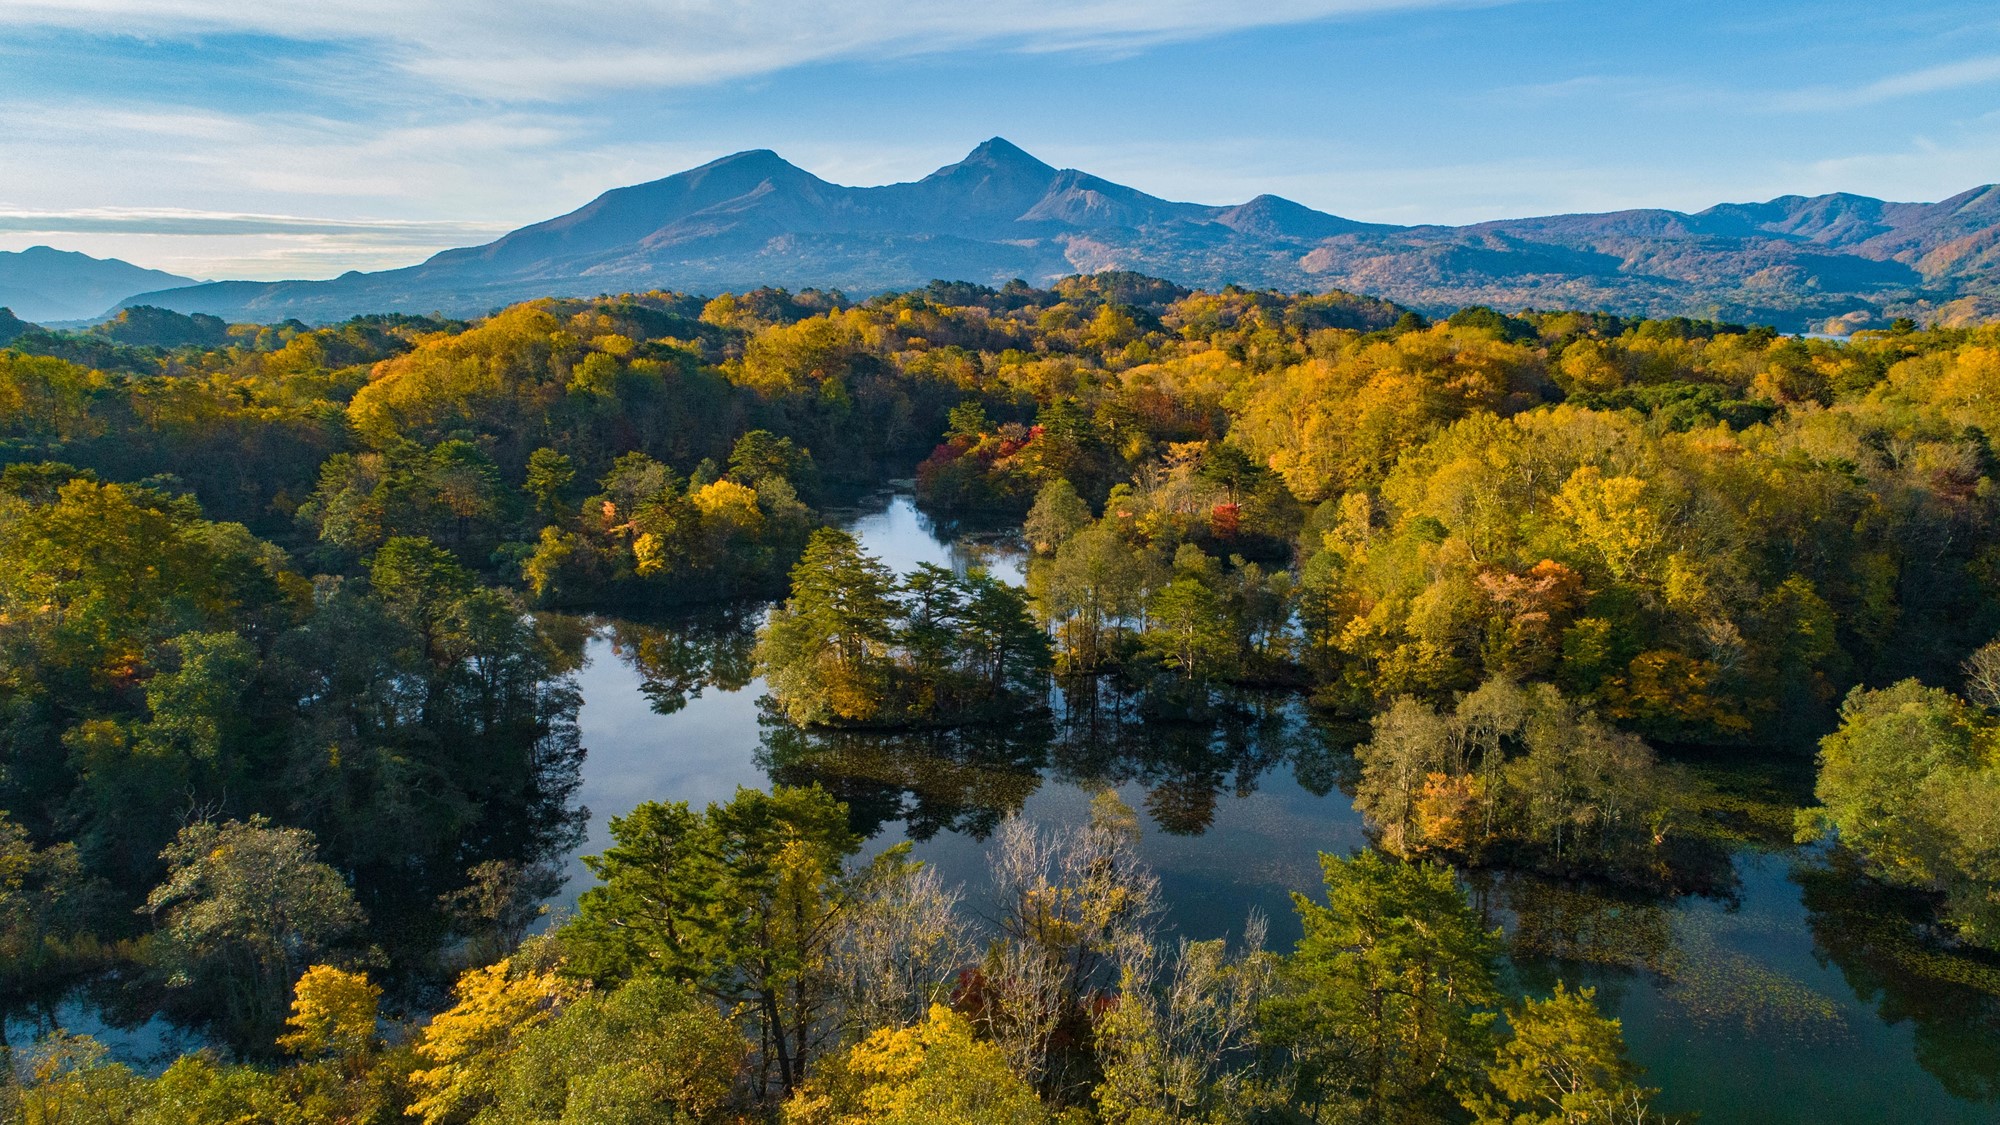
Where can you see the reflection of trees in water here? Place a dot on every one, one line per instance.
(1103, 738)
(677, 661)
(1691, 956)
(970, 778)
(1554, 921)
(1323, 760)
(964, 780)
(519, 822)
(1886, 943)
(967, 779)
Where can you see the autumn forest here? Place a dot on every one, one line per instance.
(1566, 604)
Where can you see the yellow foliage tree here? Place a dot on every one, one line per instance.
(1448, 811)
(725, 501)
(468, 1044)
(1611, 516)
(935, 1073)
(333, 1014)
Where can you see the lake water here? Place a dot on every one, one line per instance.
(1795, 993)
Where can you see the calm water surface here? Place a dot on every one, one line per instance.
(1793, 994)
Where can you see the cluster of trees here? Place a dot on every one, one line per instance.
(249, 572)
(1703, 532)
(1910, 785)
(737, 963)
(1527, 777)
(1137, 590)
(158, 669)
(652, 537)
(1706, 532)
(853, 645)
(330, 441)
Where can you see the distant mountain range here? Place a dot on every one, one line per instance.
(42, 284)
(753, 219)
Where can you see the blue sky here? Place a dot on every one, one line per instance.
(302, 138)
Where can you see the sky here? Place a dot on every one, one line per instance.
(304, 138)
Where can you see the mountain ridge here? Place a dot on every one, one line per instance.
(42, 283)
(753, 218)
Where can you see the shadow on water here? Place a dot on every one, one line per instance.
(967, 780)
(1890, 953)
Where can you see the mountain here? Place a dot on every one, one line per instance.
(11, 326)
(754, 219)
(43, 284)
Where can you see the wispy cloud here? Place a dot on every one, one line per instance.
(551, 48)
(179, 221)
(1958, 75)
(1913, 170)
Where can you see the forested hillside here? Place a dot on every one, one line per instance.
(286, 753)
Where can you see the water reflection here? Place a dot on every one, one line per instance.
(1093, 737)
(1756, 983)
(964, 781)
(678, 661)
(1886, 945)
(1104, 738)
(1555, 923)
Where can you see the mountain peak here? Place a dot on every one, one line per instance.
(999, 152)
(752, 218)
(749, 158)
(42, 283)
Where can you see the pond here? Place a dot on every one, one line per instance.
(1792, 992)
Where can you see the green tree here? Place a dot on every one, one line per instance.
(760, 454)
(932, 614)
(197, 707)
(1188, 628)
(1911, 784)
(1088, 592)
(1383, 1011)
(824, 648)
(549, 473)
(244, 909)
(421, 584)
(1058, 514)
(1006, 650)
(743, 898)
(649, 1051)
(966, 422)
(1181, 1044)
(39, 897)
(1563, 1063)
(461, 486)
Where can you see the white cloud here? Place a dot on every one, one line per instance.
(251, 257)
(250, 196)
(183, 221)
(1910, 172)
(1928, 80)
(528, 49)
(290, 163)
